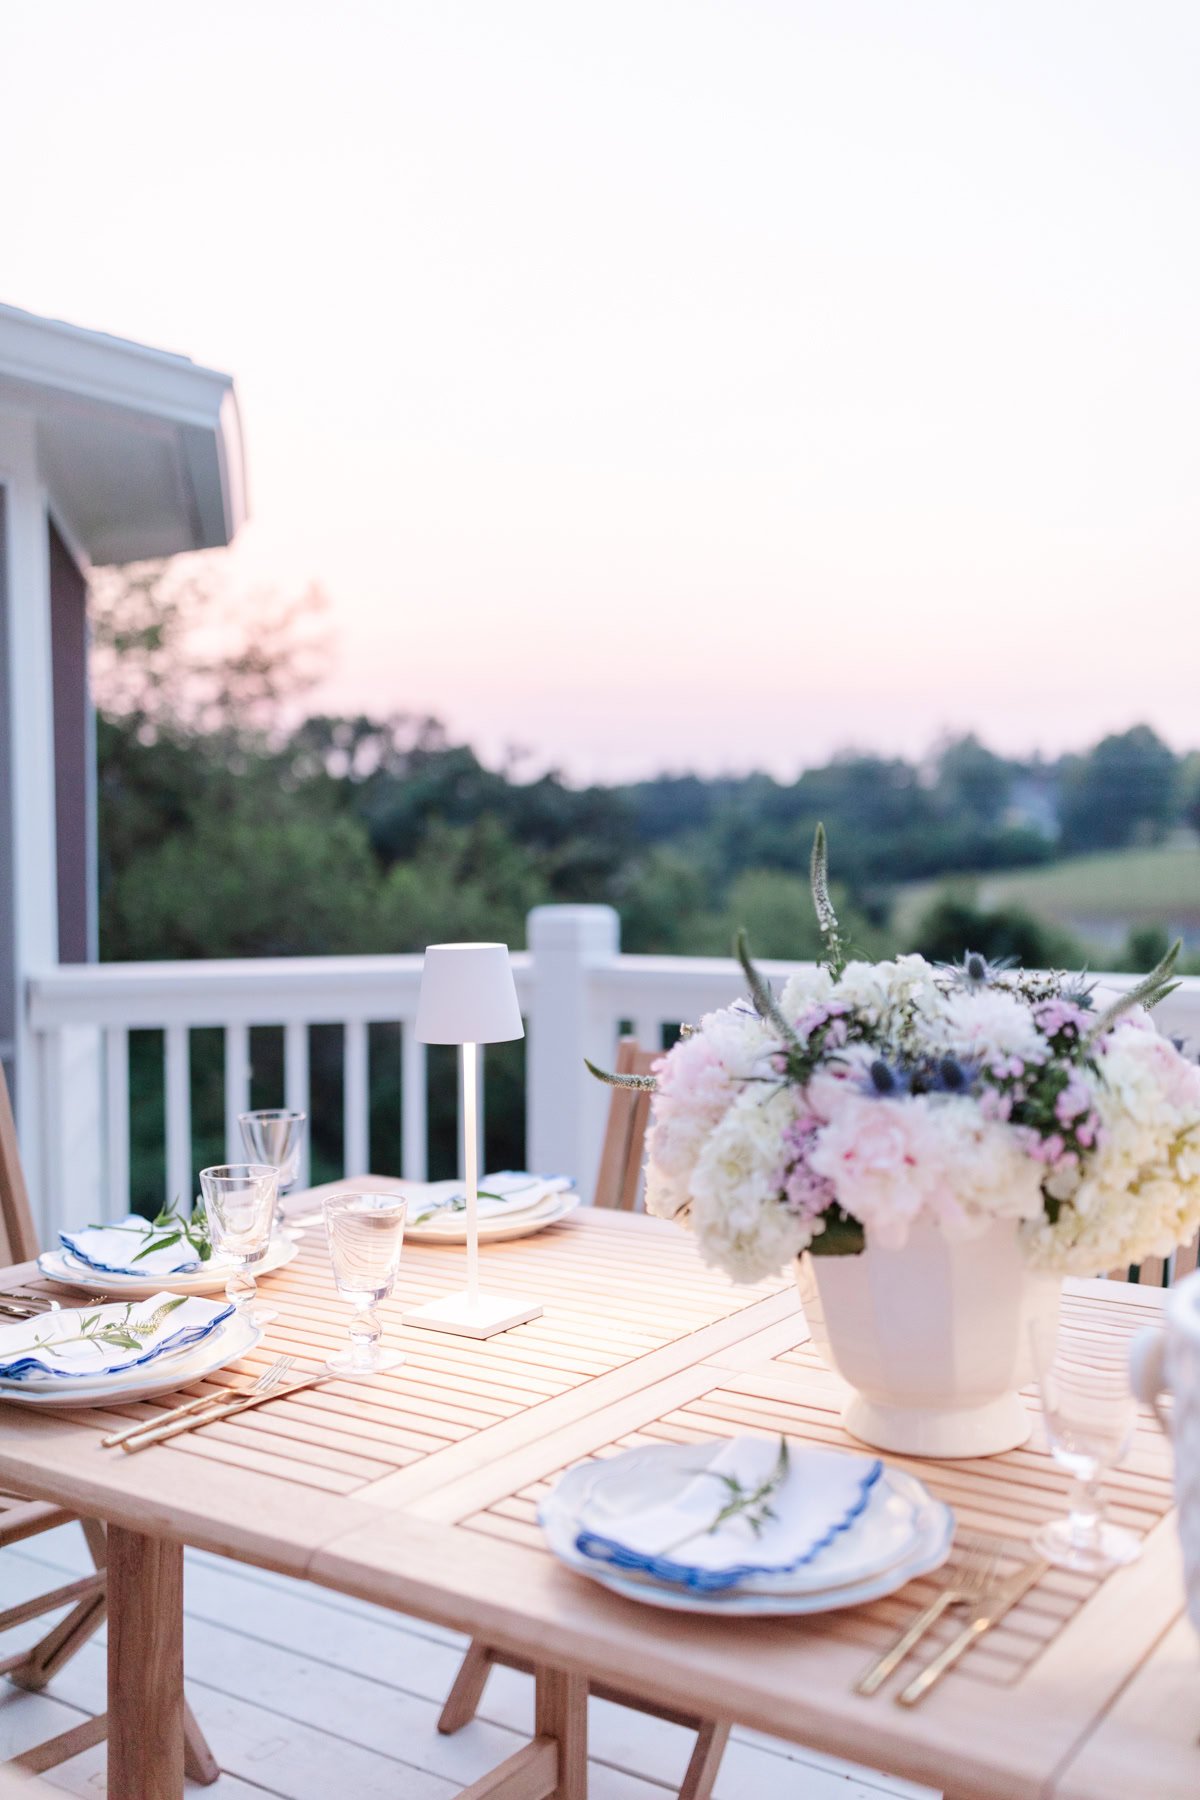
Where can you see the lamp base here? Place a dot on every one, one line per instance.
(481, 1318)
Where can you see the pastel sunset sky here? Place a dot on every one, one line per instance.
(663, 383)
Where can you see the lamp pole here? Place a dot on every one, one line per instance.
(471, 1168)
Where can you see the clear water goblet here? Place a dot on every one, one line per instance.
(239, 1203)
(275, 1135)
(1090, 1413)
(366, 1233)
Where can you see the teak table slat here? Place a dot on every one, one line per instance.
(420, 1490)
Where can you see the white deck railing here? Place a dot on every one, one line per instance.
(576, 990)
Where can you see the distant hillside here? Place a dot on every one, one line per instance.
(1099, 898)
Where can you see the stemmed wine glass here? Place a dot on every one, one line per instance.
(275, 1135)
(239, 1201)
(366, 1232)
(1090, 1413)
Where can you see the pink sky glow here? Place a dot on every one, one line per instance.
(668, 383)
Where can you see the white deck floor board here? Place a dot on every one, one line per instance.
(309, 1695)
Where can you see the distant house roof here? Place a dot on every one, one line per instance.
(140, 449)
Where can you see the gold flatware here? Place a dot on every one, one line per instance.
(268, 1379)
(972, 1577)
(214, 1416)
(19, 1305)
(988, 1612)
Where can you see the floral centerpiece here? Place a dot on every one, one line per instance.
(981, 1116)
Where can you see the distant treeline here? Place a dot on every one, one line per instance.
(224, 834)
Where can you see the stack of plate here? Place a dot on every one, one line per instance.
(894, 1532)
(511, 1205)
(67, 1269)
(229, 1339)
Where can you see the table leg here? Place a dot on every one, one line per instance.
(554, 1765)
(145, 1667)
(560, 1712)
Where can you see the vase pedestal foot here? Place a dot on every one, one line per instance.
(983, 1430)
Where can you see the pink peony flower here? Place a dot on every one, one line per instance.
(882, 1159)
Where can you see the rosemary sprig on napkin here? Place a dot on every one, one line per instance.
(457, 1203)
(750, 1503)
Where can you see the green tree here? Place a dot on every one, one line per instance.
(1122, 792)
(951, 926)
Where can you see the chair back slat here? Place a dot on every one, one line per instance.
(18, 1236)
(1185, 1260)
(1161, 1271)
(619, 1179)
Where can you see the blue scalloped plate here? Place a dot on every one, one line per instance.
(901, 1532)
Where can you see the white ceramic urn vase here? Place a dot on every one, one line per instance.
(934, 1339)
(1169, 1361)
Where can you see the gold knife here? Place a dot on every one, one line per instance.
(987, 1615)
(156, 1434)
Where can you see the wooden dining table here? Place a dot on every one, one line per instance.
(419, 1491)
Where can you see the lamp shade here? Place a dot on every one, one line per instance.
(468, 996)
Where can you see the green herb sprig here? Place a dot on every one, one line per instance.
(122, 1333)
(173, 1226)
(750, 1503)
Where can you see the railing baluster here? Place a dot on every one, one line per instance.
(648, 1033)
(54, 1210)
(356, 1155)
(295, 1083)
(179, 1118)
(237, 1088)
(414, 1155)
(116, 1120)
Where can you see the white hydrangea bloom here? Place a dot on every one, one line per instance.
(1139, 1194)
(804, 989)
(989, 1023)
(740, 1223)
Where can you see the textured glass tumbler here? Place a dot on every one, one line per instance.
(1090, 1413)
(239, 1202)
(275, 1135)
(366, 1233)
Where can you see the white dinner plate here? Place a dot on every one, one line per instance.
(883, 1534)
(430, 1203)
(70, 1271)
(166, 1359)
(493, 1231)
(774, 1596)
(235, 1340)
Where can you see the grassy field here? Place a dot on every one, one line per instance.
(1097, 897)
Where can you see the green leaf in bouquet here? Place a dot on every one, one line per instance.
(765, 1004)
(842, 1236)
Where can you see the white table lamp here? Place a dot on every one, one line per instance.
(468, 998)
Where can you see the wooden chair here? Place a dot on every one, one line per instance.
(618, 1185)
(21, 1518)
(1161, 1271)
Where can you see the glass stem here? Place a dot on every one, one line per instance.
(241, 1288)
(365, 1333)
(1086, 1513)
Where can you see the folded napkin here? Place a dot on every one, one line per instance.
(103, 1340)
(803, 1505)
(112, 1248)
(508, 1191)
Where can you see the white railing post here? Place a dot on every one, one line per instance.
(565, 1106)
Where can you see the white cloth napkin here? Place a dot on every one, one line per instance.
(103, 1340)
(112, 1248)
(670, 1537)
(507, 1192)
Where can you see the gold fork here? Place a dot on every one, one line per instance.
(269, 1378)
(969, 1580)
